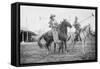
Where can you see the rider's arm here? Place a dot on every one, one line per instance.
(79, 24)
(50, 24)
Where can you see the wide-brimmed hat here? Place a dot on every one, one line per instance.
(52, 15)
(64, 19)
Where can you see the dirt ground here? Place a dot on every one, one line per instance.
(31, 53)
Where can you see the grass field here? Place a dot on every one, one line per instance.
(31, 53)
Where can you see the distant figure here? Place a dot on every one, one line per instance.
(53, 25)
(77, 28)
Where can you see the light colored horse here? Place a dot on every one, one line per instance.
(84, 33)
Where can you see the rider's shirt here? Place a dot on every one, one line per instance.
(77, 25)
(53, 24)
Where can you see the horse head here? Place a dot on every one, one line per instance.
(66, 23)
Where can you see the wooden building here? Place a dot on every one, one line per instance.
(26, 36)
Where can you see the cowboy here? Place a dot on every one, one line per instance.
(53, 25)
(77, 27)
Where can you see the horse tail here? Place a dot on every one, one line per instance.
(39, 41)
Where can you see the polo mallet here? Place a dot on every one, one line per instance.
(92, 15)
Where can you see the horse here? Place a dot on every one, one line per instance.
(84, 33)
(62, 35)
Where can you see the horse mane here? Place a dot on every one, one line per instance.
(84, 28)
(61, 28)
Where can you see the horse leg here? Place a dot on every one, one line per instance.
(83, 46)
(73, 44)
(48, 44)
(61, 46)
(54, 47)
(65, 45)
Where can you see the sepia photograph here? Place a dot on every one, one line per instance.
(52, 34)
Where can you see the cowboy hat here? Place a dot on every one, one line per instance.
(52, 15)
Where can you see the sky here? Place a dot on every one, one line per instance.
(35, 18)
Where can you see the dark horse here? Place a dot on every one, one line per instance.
(62, 35)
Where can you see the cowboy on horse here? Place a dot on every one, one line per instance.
(57, 34)
(53, 25)
(78, 29)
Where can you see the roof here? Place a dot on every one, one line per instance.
(30, 32)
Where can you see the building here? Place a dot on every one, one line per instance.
(26, 36)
